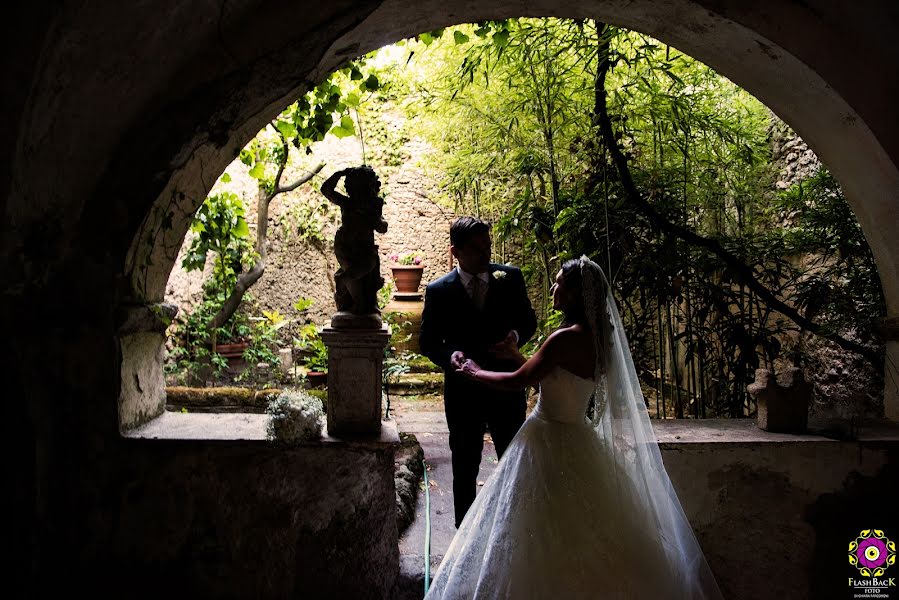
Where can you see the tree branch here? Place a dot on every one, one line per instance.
(744, 273)
(309, 175)
(246, 280)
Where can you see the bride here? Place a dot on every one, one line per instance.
(579, 506)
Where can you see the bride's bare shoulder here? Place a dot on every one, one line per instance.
(569, 336)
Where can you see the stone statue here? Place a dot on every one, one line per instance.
(358, 279)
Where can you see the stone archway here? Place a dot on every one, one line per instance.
(767, 59)
(121, 115)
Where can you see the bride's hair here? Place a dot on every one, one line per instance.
(575, 312)
(592, 313)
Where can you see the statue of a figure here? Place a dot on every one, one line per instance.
(358, 279)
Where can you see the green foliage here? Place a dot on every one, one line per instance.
(839, 283)
(314, 351)
(512, 110)
(303, 304)
(192, 352)
(305, 220)
(220, 228)
(406, 259)
(264, 340)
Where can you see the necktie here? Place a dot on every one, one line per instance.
(476, 286)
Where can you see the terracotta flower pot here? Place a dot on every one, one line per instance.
(317, 379)
(407, 278)
(234, 350)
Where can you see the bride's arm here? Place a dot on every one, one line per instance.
(558, 345)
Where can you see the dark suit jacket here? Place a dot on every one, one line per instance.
(450, 322)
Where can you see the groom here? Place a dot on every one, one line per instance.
(480, 311)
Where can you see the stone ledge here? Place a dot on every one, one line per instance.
(251, 427)
(671, 432)
(244, 427)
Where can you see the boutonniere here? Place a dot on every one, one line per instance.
(499, 274)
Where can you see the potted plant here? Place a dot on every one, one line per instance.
(313, 355)
(407, 270)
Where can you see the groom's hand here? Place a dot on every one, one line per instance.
(457, 359)
(508, 348)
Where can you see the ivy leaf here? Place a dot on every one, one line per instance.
(226, 178)
(426, 38)
(258, 171)
(372, 83)
(241, 229)
(501, 39)
(345, 129)
(352, 100)
(286, 129)
(460, 38)
(355, 74)
(246, 157)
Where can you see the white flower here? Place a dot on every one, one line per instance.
(499, 274)
(294, 416)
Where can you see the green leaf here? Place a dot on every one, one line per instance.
(286, 129)
(225, 178)
(247, 157)
(352, 99)
(372, 83)
(341, 132)
(426, 38)
(258, 171)
(501, 39)
(241, 229)
(460, 38)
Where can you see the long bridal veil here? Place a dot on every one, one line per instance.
(622, 422)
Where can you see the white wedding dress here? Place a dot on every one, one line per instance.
(579, 509)
(557, 518)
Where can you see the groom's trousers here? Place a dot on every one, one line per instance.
(469, 414)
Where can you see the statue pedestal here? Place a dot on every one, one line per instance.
(355, 361)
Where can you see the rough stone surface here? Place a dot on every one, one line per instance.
(298, 268)
(782, 402)
(409, 465)
(795, 159)
(146, 105)
(142, 394)
(845, 386)
(355, 359)
(765, 493)
(317, 520)
(146, 318)
(218, 398)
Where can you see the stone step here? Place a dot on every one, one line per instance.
(416, 383)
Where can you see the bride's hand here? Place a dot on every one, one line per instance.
(508, 349)
(469, 369)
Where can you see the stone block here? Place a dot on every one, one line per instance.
(783, 402)
(355, 367)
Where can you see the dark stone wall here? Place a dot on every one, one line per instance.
(114, 117)
(775, 519)
(229, 519)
